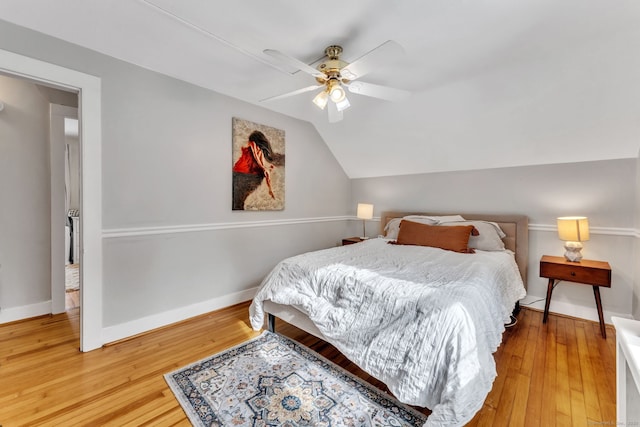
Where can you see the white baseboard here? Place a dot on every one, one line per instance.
(569, 309)
(145, 324)
(24, 312)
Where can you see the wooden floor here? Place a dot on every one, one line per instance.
(561, 373)
(71, 299)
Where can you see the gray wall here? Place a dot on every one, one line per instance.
(604, 191)
(166, 163)
(166, 149)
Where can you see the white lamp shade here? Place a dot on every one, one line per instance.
(365, 211)
(573, 228)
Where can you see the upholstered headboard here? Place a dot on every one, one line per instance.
(516, 227)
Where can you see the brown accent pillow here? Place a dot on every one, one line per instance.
(451, 238)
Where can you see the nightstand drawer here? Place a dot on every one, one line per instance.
(584, 272)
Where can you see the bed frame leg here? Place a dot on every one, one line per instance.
(271, 322)
(516, 309)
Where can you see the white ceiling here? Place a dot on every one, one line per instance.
(494, 83)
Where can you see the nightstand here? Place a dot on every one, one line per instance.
(586, 272)
(351, 240)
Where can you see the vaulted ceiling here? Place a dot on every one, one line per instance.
(493, 83)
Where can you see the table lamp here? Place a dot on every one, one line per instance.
(573, 230)
(365, 212)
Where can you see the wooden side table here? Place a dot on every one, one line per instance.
(588, 272)
(351, 240)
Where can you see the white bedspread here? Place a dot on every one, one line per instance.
(424, 321)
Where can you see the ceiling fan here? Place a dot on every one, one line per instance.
(333, 75)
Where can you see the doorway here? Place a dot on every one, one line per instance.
(41, 129)
(88, 89)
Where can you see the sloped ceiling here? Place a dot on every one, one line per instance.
(494, 83)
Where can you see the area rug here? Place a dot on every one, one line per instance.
(72, 277)
(274, 381)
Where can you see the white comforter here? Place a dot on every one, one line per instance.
(424, 321)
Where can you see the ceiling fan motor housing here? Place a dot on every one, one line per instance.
(333, 51)
(332, 65)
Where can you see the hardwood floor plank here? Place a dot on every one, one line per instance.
(505, 405)
(605, 385)
(550, 415)
(533, 320)
(561, 373)
(563, 420)
(519, 411)
(578, 410)
(589, 386)
(534, 401)
(172, 417)
(573, 359)
(484, 418)
(563, 397)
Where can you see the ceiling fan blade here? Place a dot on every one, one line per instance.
(386, 53)
(378, 91)
(295, 92)
(334, 114)
(297, 64)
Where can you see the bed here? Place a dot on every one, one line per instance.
(423, 320)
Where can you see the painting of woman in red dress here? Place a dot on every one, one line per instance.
(258, 170)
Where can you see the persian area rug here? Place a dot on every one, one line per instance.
(274, 381)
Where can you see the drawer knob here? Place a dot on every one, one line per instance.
(573, 273)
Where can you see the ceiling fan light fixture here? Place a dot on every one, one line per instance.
(343, 104)
(337, 94)
(321, 99)
(336, 91)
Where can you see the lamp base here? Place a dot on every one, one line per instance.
(572, 251)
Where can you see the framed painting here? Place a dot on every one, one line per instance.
(258, 167)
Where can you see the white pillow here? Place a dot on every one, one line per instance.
(490, 237)
(393, 226)
(442, 218)
(422, 219)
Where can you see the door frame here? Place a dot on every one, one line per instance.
(88, 88)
